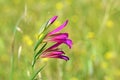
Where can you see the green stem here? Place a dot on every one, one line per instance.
(12, 54)
(12, 68)
(35, 74)
(36, 56)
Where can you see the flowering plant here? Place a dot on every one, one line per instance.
(54, 36)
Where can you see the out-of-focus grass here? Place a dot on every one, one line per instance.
(93, 26)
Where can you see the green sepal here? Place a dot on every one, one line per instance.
(44, 27)
(39, 41)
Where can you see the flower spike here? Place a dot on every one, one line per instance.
(57, 38)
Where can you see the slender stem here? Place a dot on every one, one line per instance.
(35, 74)
(105, 18)
(13, 46)
(12, 55)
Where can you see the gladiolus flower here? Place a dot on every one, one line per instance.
(53, 36)
(58, 38)
(54, 52)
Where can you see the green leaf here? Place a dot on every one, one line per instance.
(39, 41)
(35, 74)
(43, 27)
(38, 53)
(40, 50)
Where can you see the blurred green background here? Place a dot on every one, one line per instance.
(94, 27)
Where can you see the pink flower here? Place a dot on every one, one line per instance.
(54, 36)
(54, 52)
(58, 38)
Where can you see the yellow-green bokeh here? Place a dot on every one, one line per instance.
(94, 27)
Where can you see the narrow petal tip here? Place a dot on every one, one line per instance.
(66, 21)
(69, 43)
(59, 28)
(52, 20)
(65, 58)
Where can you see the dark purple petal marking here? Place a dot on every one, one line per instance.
(59, 28)
(57, 53)
(55, 56)
(56, 49)
(64, 57)
(53, 53)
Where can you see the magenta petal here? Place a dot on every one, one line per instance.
(53, 53)
(59, 36)
(56, 56)
(52, 20)
(66, 41)
(59, 28)
(60, 56)
(53, 47)
(69, 43)
(57, 53)
(64, 57)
